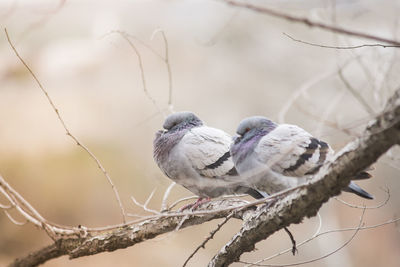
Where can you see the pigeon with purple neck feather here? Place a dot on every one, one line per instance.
(197, 157)
(283, 148)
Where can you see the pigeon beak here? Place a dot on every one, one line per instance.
(237, 139)
(161, 132)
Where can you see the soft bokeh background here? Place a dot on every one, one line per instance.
(226, 64)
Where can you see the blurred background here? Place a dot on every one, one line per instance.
(227, 64)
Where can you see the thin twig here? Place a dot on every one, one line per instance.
(331, 124)
(164, 205)
(5, 207)
(328, 109)
(211, 236)
(316, 259)
(144, 206)
(181, 200)
(294, 247)
(196, 197)
(317, 232)
(367, 207)
(339, 47)
(325, 233)
(114, 188)
(168, 65)
(182, 221)
(142, 75)
(310, 23)
(304, 88)
(356, 94)
(164, 58)
(13, 220)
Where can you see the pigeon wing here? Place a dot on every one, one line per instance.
(292, 151)
(207, 149)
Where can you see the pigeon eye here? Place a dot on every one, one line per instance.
(246, 130)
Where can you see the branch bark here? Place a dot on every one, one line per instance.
(129, 235)
(306, 200)
(310, 23)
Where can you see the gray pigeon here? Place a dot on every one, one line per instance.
(197, 157)
(283, 148)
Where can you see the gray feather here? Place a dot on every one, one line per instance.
(285, 149)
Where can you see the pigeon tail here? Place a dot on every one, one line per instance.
(353, 188)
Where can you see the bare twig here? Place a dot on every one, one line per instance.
(317, 232)
(222, 197)
(144, 206)
(393, 221)
(300, 91)
(68, 132)
(211, 236)
(15, 221)
(316, 259)
(328, 109)
(5, 207)
(304, 88)
(181, 200)
(29, 213)
(367, 207)
(326, 122)
(164, 205)
(168, 65)
(356, 94)
(164, 58)
(142, 75)
(310, 23)
(339, 47)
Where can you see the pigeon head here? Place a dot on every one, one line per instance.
(250, 131)
(255, 124)
(181, 120)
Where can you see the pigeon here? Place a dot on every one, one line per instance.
(197, 157)
(285, 149)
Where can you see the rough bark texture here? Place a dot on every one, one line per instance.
(304, 201)
(39, 257)
(383, 133)
(129, 235)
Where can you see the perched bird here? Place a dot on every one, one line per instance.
(197, 157)
(283, 148)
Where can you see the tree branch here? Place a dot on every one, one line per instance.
(306, 200)
(129, 235)
(38, 257)
(310, 23)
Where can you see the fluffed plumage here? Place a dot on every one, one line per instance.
(286, 149)
(197, 156)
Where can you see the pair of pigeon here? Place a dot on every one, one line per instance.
(263, 159)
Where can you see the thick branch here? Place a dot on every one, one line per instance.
(305, 201)
(130, 235)
(38, 257)
(310, 23)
